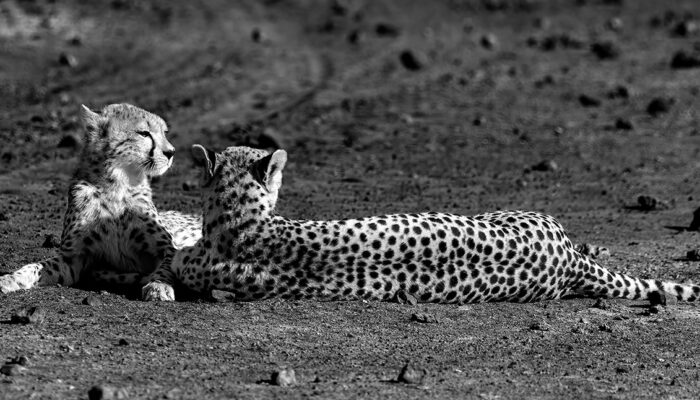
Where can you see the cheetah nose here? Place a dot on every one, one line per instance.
(169, 153)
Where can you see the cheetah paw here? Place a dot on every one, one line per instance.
(158, 291)
(8, 284)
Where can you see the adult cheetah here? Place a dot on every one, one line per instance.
(500, 256)
(112, 228)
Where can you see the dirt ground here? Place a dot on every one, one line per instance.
(383, 106)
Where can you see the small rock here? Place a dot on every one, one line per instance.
(270, 138)
(614, 24)
(606, 50)
(589, 101)
(623, 124)
(685, 28)
(660, 105)
(75, 41)
(411, 375)
(411, 60)
(92, 300)
(68, 141)
(68, 60)
(403, 297)
(123, 342)
(546, 165)
(29, 315)
(622, 369)
(424, 318)
(489, 41)
(222, 296)
(21, 360)
(619, 92)
(694, 224)
(386, 29)
(106, 392)
(12, 369)
(693, 255)
(649, 203)
(684, 60)
(189, 185)
(558, 131)
(354, 36)
(256, 35)
(284, 377)
(601, 304)
(50, 241)
(479, 121)
(540, 326)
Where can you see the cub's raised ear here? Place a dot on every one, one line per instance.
(92, 121)
(268, 170)
(206, 159)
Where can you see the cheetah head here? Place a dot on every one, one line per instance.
(241, 179)
(131, 139)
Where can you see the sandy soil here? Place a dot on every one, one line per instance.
(493, 89)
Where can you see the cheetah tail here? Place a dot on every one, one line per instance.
(598, 281)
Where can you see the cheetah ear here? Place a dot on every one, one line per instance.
(92, 121)
(268, 170)
(206, 159)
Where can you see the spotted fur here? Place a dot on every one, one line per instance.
(111, 228)
(437, 257)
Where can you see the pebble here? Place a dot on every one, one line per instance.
(256, 35)
(424, 318)
(106, 392)
(619, 92)
(29, 315)
(615, 24)
(660, 105)
(411, 375)
(387, 30)
(403, 297)
(606, 50)
(546, 165)
(12, 369)
(68, 60)
(50, 241)
(92, 300)
(685, 28)
(222, 296)
(284, 377)
(649, 203)
(489, 41)
(21, 360)
(685, 60)
(123, 342)
(411, 60)
(479, 121)
(623, 124)
(589, 101)
(540, 326)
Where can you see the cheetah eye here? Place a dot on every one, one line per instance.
(144, 133)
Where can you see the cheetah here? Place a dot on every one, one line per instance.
(443, 258)
(111, 228)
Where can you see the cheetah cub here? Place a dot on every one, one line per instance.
(443, 258)
(112, 228)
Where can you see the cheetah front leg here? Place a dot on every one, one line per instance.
(160, 283)
(43, 273)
